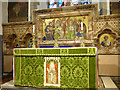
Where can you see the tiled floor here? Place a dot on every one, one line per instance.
(104, 82)
(5, 79)
(100, 83)
(108, 83)
(116, 80)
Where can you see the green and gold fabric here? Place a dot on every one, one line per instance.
(77, 67)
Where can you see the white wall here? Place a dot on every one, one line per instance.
(4, 10)
(105, 6)
(0, 41)
(3, 14)
(0, 18)
(96, 1)
(37, 4)
(43, 5)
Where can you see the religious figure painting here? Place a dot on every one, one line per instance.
(66, 28)
(30, 42)
(18, 11)
(52, 71)
(106, 40)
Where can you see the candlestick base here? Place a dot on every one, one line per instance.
(56, 44)
(82, 42)
(33, 45)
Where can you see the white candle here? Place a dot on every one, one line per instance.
(33, 28)
(81, 25)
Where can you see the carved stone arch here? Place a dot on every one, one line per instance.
(11, 37)
(27, 31)
(10, 40)
(5, 37)
(109, 27)
(27, 34)
(24, 35)
(13, 30)
(109, 32)
(27, 38)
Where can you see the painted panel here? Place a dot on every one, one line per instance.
(17, 11)
(52, 71)
(106, 40)
(66, 28)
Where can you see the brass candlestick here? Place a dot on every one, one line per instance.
(56, 44)
(82, 42)
(33, 43)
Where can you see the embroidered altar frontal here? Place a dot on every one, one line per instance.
(56, 67)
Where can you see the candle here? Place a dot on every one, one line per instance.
(81, 25)
(33, 28)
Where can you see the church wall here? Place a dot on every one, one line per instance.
(1, 62)
(104, 7)
(31, 7)
(119, 65)
(14, 36)
(107, 25)
(36, 5)
(115, 7)
(97, 25)
(4, 19)
(1, 18)
(103, 25)
(43, 5)
(109, 65)
(4, 12)
(108, 56)
(8, 63)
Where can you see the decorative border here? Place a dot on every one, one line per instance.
(91, 51)
(90, 10)
(54, 58)
(46, 57)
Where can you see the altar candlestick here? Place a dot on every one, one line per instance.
(33, 28)
(81, 25)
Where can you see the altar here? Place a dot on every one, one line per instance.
(56, 67)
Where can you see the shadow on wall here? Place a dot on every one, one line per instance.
(1, 58)
(108, 65)
(108, 70)
(119, 65)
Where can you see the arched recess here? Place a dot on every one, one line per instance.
(10, 41)
(107, 27)
(27, 39)
(107, 32)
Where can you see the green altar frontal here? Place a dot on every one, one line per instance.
(56, 67)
